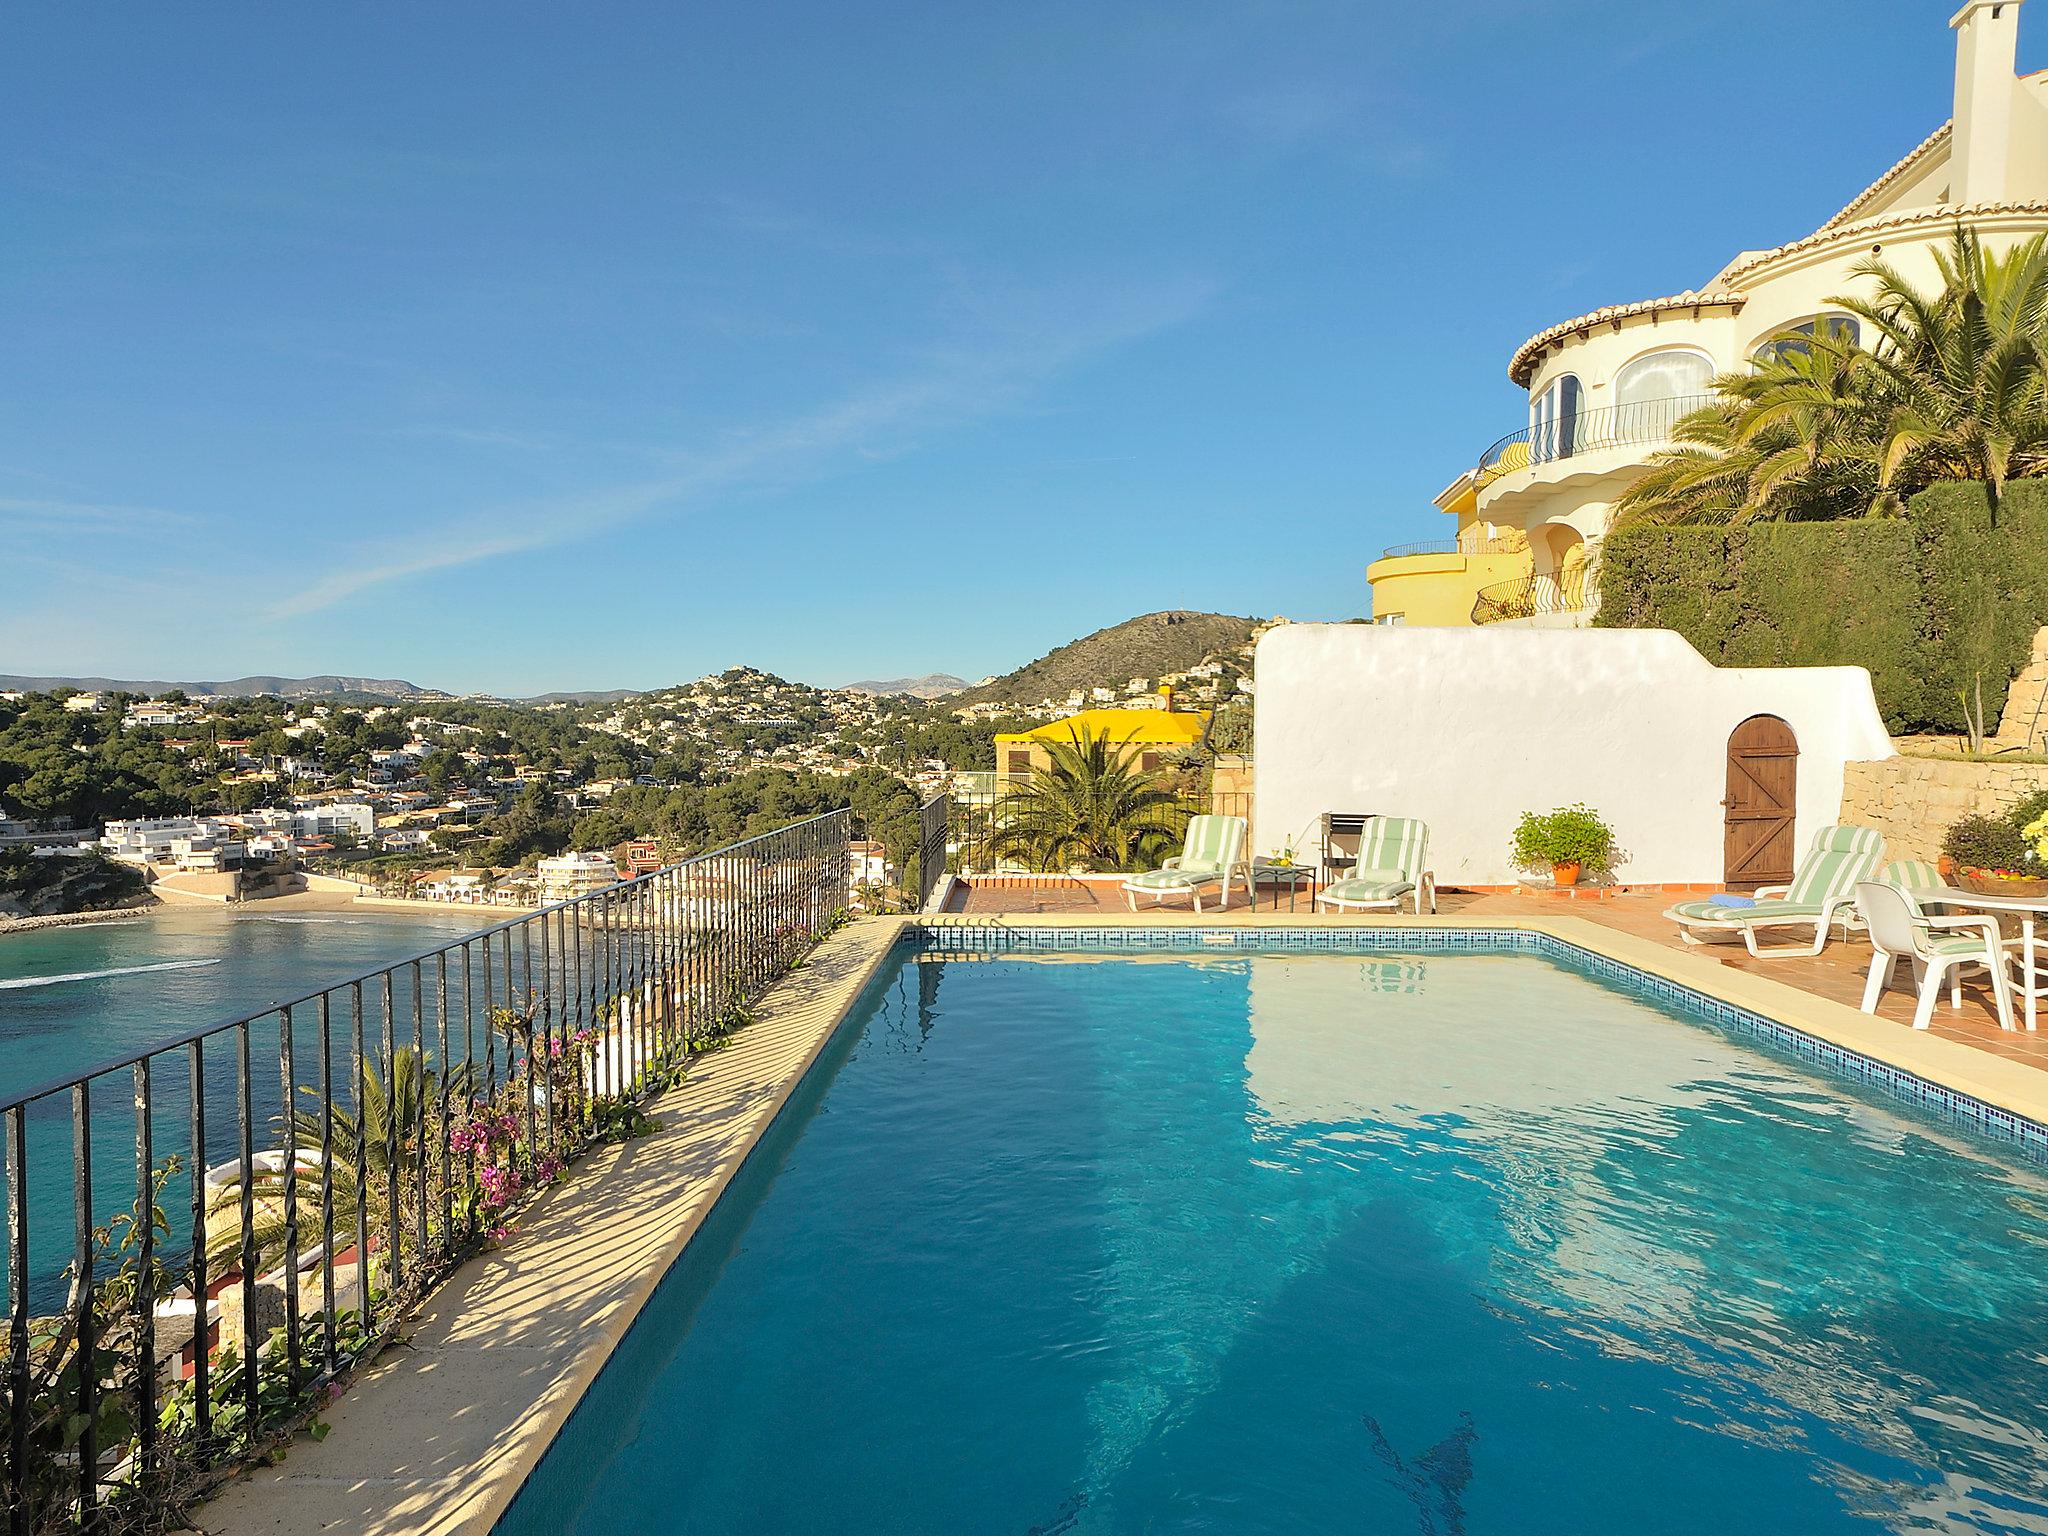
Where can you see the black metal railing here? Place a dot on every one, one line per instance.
(1528, 596)
(1637, 423)
(975, 828)
(1463, 544)
(1420, 547)
(204, 1235)
(931, 847)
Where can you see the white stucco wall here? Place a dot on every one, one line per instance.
(1468, 728)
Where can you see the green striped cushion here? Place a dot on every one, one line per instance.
(1763, 911)
(1396, 843)
(1368, 890)
(1957, 945)
(1912, 875)
(1174, 879)
(1214, 843)
(1838, 859)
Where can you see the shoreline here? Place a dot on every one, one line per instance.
(294, 901)
(44, 920)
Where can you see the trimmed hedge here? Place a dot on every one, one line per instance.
(1927, 603)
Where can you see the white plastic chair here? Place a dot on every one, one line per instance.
(1936, 947)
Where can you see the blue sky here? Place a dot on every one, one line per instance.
(521, 346)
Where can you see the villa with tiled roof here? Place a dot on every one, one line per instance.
(1606, 387)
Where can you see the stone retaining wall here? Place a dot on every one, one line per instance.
(1912, 800)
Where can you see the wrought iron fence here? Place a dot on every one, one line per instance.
(1527, 596)
(1635, 423)
(975, 828)
(203, 1235)
(1467, 543)
(931, 848)
(1420, 547)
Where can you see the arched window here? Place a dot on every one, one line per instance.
(1651, 393)
(1663, 376)
(1554, 420)
(1796, 339)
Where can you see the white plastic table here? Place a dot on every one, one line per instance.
(2033, 983)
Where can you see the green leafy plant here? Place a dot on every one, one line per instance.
(1571, 834)
(1090, 806)
(1996, 843)
(1948, 387)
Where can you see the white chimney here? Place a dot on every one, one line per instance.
(1987, 48)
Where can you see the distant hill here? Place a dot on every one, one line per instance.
(933, 685)
(588, 696)
(1150, 645)
(240, 687)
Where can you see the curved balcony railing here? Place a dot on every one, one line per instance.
(1528, 596)
(1464, 544)
(1637, 423)
(1420, 547)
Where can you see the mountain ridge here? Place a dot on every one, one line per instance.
(256, 684)
(933, 685)
(1152, 645)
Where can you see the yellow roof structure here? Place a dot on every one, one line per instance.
(1164, 727)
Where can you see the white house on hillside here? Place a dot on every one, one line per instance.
(1606, 387)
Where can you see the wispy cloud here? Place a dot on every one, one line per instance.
(52, 516)
(1015, 344)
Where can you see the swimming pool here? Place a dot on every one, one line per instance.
(1448, 1242)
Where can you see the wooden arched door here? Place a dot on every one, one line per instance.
(1760, 841)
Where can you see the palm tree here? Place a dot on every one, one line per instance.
(1949, 387)
(1088, 806)
(385, 1117)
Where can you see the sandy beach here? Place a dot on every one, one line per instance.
(149, 906)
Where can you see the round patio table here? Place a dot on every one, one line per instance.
(2033, 983)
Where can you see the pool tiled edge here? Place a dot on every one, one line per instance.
(2003, 1098)
(438, 1437)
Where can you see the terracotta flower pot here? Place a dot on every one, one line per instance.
(1565, 874)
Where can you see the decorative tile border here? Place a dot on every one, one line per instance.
(984, 941)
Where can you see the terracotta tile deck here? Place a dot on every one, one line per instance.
(1837, 973)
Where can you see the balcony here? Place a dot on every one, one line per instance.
(1636, 424)
(1464, 544)
(1544, 595)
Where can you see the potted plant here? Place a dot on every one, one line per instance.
(2001, 855)
(1571, 842)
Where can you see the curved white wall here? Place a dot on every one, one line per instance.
(1468, 728)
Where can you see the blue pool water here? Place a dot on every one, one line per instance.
(1327, 1243)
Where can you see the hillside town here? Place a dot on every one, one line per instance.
(482, 801)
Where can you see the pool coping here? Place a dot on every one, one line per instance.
(440, 1437)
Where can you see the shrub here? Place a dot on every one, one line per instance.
(1571, 834)
(1938, 605)
(1986, 842)
(1669, 578)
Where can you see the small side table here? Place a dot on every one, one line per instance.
(1293, 876)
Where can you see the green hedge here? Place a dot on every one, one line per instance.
(1927, 603)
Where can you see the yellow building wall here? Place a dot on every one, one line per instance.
(1149, 736)
(1438, 590)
